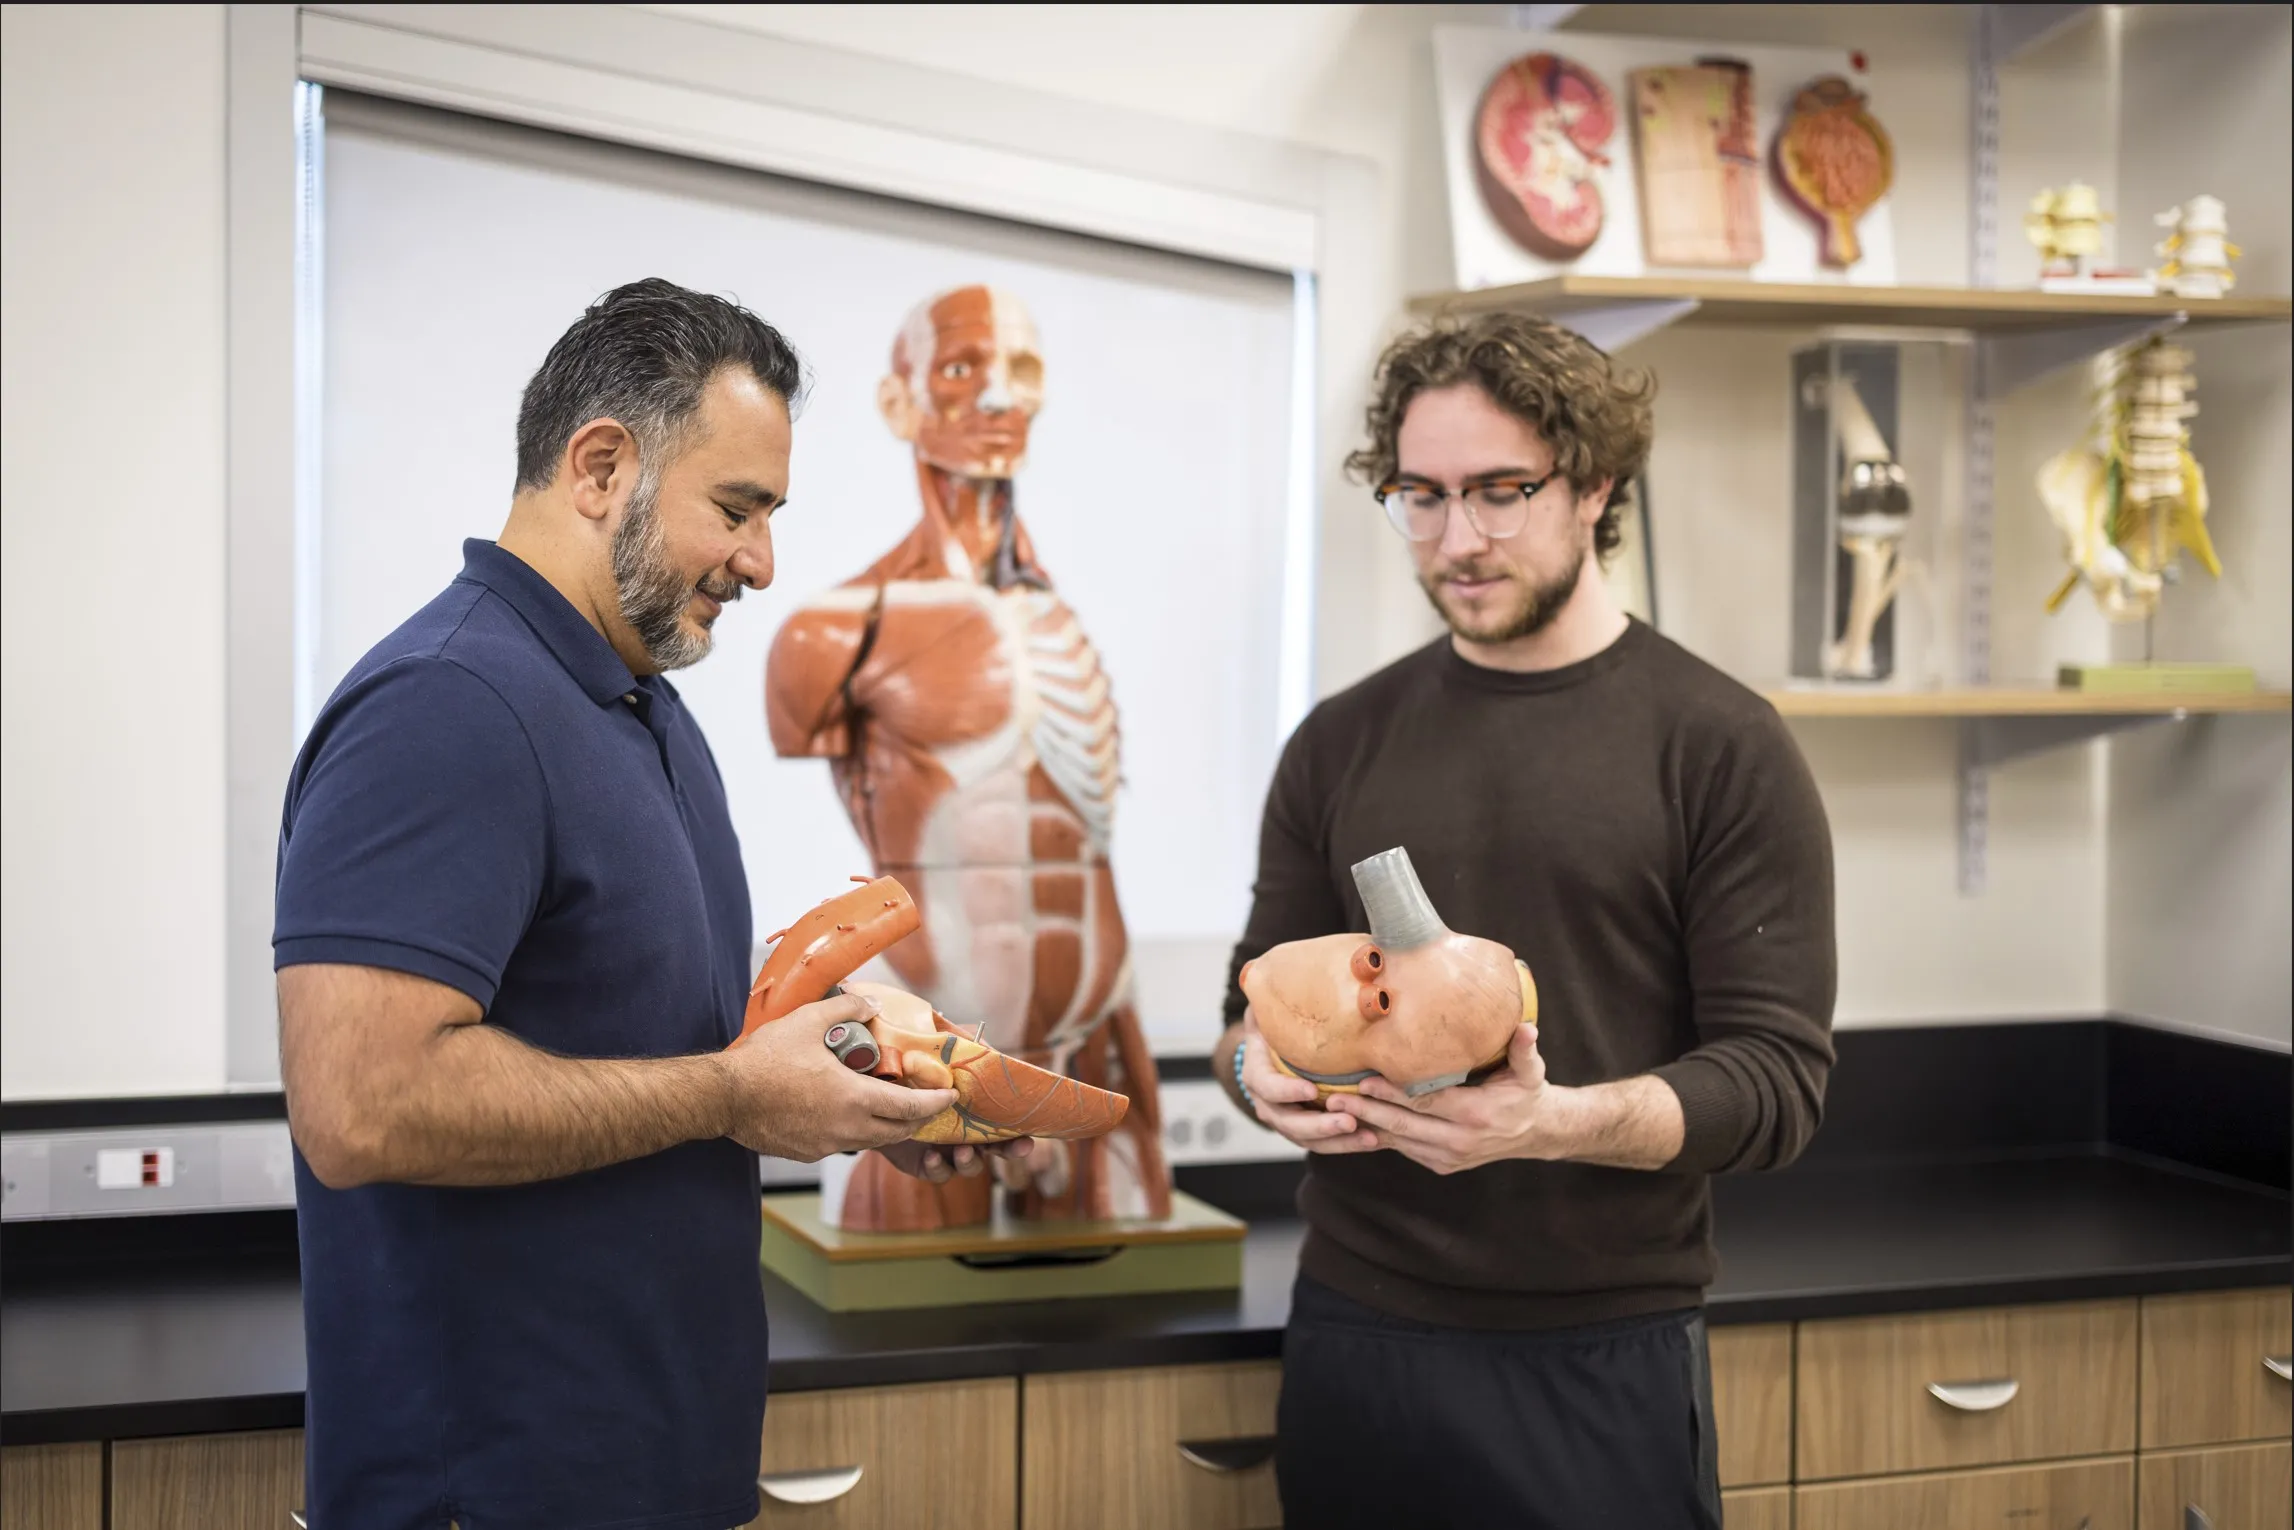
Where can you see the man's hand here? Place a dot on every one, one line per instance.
(1288, 1104)
(1634, 1123)
(790, 1097)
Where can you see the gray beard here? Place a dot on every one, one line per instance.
(653, 594)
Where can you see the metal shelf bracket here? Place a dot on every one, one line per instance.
(1986, 743)
(1613, 326)
(2006, 362)
(2017, 29)
(1549, 18)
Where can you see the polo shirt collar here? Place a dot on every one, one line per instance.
(581, 648)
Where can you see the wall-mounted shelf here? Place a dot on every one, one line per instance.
(1987, 310)
(2021, 335)
(1998, 723)
(2015, 701)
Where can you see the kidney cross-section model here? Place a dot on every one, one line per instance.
(1540, 133)
(1411, 1001)
(998, 1097)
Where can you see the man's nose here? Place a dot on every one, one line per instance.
(1459, 538)
(752, 561)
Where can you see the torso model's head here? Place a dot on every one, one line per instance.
(966, 382)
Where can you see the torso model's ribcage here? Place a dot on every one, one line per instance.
(1022, 932)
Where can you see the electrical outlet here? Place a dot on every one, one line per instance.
(133, 1171)
(1201, 1125)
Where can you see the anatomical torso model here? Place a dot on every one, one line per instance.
(972, 737)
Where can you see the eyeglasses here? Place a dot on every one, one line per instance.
(1497, 508)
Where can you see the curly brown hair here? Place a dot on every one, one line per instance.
(1595, 417)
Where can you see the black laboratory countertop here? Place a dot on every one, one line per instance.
(124, 1347)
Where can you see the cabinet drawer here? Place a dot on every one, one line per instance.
(1908, 1394)
(2075, 1495)
(208, 1482)
(1104, 1449)
(2232, 1487)
(2205, 1376)
(1757, 1509)
(1752, 1403)
(942, 1455)
(52, 1487)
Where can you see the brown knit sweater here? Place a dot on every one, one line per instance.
(1641, 830)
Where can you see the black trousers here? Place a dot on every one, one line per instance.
(1389, 1423)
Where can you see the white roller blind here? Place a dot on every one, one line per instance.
(455, 253)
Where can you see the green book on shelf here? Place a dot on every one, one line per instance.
(2152, 679)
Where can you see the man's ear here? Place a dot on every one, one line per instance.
(1594, 501)
(599, 467)
(898, 406)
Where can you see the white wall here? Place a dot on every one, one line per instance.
(2200, 821)
(113, 852)
(111, 521)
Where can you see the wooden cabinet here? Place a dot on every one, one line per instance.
(1757, 1509)
(1908, 1394)
(2231, 1487)
(1752, 1403)
(52, 1487)
(2099, 1495)
(941, 1456)
(2207, 1378)
(208, 1482)
(1140, 1449)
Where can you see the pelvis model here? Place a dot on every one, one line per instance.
(972, 737)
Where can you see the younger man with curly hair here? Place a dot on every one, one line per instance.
(1498, 1317)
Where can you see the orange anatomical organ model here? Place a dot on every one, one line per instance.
(904, 1040)
(1420, 1005)
(970, 731)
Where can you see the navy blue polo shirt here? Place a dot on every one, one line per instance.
(492, 801)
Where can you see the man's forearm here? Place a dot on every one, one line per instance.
(1634, 1123)
(478, 1106)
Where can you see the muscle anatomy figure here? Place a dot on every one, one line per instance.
(971, 734)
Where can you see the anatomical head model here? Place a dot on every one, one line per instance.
(971, 733)
(1411, 1001)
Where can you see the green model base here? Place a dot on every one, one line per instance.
(1198, 1248)
(2153, 679)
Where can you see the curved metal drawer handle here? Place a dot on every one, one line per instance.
(296, 1516)
(1974, 1396)
(2194, 1518)
(810, 1487)
(2280, 1366)
(1238, 1455)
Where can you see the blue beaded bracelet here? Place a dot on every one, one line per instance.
(1242, 1088)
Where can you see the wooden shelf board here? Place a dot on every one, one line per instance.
(1722, 302)
(2014, 701)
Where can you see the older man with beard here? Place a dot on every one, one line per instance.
(512, 941)
(1498, 1316)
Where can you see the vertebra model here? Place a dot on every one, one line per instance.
(2197, 250)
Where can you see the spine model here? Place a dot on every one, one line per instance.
(2132, 499)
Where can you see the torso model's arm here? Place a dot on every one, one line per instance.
(807, 680)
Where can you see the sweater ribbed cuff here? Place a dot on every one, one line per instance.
(1712, 1114)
